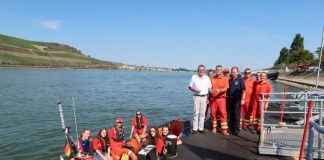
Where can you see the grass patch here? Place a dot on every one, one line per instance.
(32, 61)
(41, 53)
(16, 42)
(70, 55)
(14, 49)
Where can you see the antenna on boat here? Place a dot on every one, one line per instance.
(320, 60)
(61, 115)
(75, 121)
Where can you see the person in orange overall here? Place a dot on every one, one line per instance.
(218, 100)
(210, 74)
(246, 107)
(139, 125)
(116, 136)
(253, 107)
(263, 86)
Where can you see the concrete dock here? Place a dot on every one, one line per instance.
(210, 146)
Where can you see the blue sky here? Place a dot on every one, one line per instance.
(169, 33)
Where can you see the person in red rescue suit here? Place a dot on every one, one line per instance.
(263, 86)
(247, 106)
(218, 100)
(160, 143)
(210, 74)
(139, 125)
(101, 145)
(253, 108)
(116, 136)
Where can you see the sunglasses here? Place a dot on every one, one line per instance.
(138, 114)
(247, 72)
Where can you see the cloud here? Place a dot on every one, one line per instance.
(50, 24)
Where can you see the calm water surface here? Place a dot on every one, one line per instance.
(30, 122)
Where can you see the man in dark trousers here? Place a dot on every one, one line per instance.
(236, 97)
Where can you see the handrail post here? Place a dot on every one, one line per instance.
(309, 154)
(283, 105)
(302, 147)
(261, 120)
(305, 111)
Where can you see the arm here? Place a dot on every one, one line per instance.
(144, 132)
(194, 89)
(131, 133)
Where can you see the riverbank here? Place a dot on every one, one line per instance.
(305, 80)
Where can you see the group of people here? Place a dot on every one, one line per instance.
(111, 146)
(234, 101)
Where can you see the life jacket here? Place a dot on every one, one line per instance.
(139, 123)
(85, 146)
(119, 134)
(103, 141)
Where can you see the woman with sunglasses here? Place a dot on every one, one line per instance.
(139, 125)
(101, 145)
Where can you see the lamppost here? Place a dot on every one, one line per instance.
(320, 60)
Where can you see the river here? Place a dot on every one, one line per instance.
(30, 122)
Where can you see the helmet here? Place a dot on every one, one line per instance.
(226, 70)
(119, 120)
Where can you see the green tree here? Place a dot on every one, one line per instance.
(283, 57)
(301, 57)
(297, 44)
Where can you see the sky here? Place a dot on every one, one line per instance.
(169, 33)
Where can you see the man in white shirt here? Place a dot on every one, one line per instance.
(200, 85)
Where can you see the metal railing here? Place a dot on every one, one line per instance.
(295, 103)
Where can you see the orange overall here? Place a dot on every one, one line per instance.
(246, 108)
(218, 101)
(260, 87)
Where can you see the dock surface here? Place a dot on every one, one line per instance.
(210, 146)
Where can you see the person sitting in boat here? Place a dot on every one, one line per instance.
(101, 145)
(116, 135)
(160, 143)
(84, 143)
(152, 137)
(139, 125)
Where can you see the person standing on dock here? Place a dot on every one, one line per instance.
(200, 85)
(247, 105)
(236, 97)
(218, 100)
(210, 75)
(263, 86)
(253, 108)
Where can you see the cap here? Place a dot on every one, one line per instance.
(119, 120)
(226, 70)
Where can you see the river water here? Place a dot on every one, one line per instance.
(30, 122)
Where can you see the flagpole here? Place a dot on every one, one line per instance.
(320, 60)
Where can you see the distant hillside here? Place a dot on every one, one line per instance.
(20, 52)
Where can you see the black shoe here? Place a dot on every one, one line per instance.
(202, 131)
(193, 132)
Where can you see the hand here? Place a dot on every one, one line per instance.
(242, 101)
(217, 90)
(165, 151)
(108, 158)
